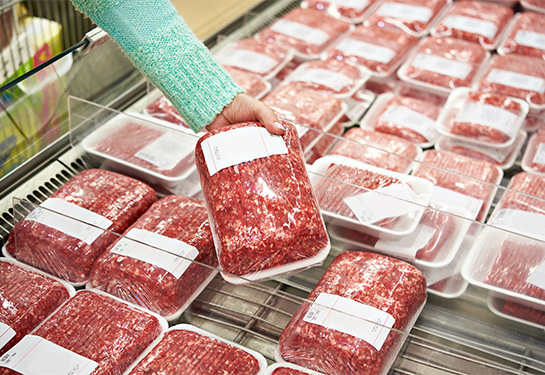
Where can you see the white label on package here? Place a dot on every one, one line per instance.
(530, 39)
(440, 65)
(390, 201)
(516, 80)
(224, 150)
(357, 5)
(300, 31)
(70, 219)
(249, 60)
(407, 118)
(406, 12)
(523, 222)
(6, 334)
(170, 259)
(34, 355)
(489, 115)
(168, 150)
(333, 80)
(366, 50)
(351, 317)
(471, 25)
(539, 157)
(537, 277)
(408, 245)
(450, 198)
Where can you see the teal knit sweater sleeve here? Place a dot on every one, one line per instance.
(161, 45)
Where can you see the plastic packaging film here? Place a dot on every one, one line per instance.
(162, 281)
(393, 290)
(27, 299)
(289, 369)
(163, 109)
(526, 36)
(536, 157)
(349, 10)
(51, 239)
(262, 209)
(252, 84)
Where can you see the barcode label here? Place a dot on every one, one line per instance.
(300, 31)
(406, 12)
(249, 60)
(451, 198)
(539, 157)
(523, 222)
(472, 25)
(516, 80)
(168, 150)
(407, 118)
(366, 50)
(441, 65)
(324, 77)
(6, 334)
(489, 115)
(357, 5)
(530, 39)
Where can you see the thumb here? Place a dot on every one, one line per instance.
(268, 118)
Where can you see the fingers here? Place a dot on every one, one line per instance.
(267, 117)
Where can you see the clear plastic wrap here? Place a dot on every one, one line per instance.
(109, 201)
(460, 176)
(379, 49)
(163, 109)
(188, 350)
(289, 369)
(378, 149)
(474, 21)
(518, 76)
(516, 311)
(356, 106)
(527, 194)
(378, 283)
(348, 10)
(533, 160)
(252, 84)
(525, 36)
(101, 329)
(325, 143)
(161, 282)
(421, 94)
(412, 16)
(27, 298)
(442, 64)
(272, 223)
(533, 5)
(382, 85)
(308, 31)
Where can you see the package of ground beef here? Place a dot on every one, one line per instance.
(346, 327)
(27, 298)
(69, 230)
(252, 84)
(185, 349)
(158, 271)
(437, 99)
(378, 49)
(289, 369)
(353, 11)
(262, 208)
(162, 109)
(460, 181)
(378, 149)
(474, 21)
(517, 311)
(533, 160)
(308, 31)
(325, 143)
(415, 17)
(525, 36)
(91, 334)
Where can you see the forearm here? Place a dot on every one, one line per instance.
(166, 51)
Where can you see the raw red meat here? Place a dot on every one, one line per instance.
(305, 107)
(288, 371)
(472, 177)
(263, 212)
(416, 19)
(427, 109)
(527, 193)
(524, 38)
(183, 351)
(163, 109)
(381, 86)
(286, 71)
(250, 83)
(323, 31)
(426, 96)
(325, 143)
(519, 76)
(482, 132)
(118, 198)
(474, 21)
(384, 283)
(378, 149)
(143, 283)
(461, 149)
(459, 62)
(540, 139)
(101, 329)
(379, 49)
(27, 298)
(534, 3)
(338, 8)
(523, 312)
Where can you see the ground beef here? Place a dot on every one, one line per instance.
(286, 71)
(262, 210)
(518, 76)
(457, 62)
(474, 151)
(381, 86)
(527, 193)
(474, 21)
(27, 298)
(251, 84)
(338, 8)
(472, 177)
(378, 49)
(323, 31)
(118, 198)
(290, 371)
(143, 283)
(325, 143)
(163, 109)
(524, 312)
(378, 149)
(410, 133)
(184, 351)
(526, 36)
(534, 4)
(485, 133)
(384, 283)
(415, 19)
(423, 95)
(101, 329)
(539, 139)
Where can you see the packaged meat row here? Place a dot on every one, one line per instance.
(533, 160)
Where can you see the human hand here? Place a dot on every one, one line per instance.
(246, 108)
